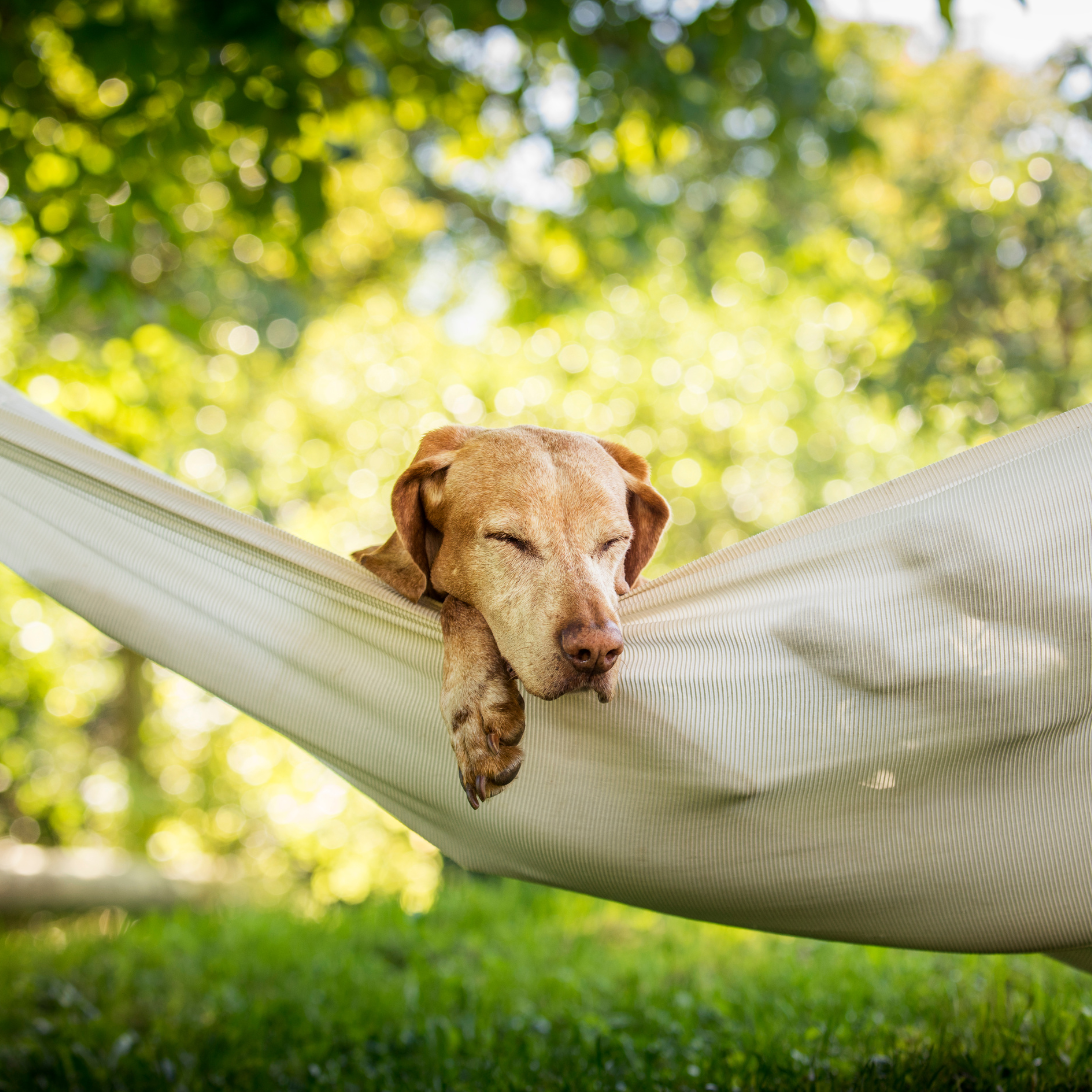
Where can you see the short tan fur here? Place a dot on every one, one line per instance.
(528, 536)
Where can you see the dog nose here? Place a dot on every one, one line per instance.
(591, 648)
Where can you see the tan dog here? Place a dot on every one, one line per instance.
(528, 536)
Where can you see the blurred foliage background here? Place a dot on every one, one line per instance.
(265, 253)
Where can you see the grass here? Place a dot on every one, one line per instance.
(509, 986)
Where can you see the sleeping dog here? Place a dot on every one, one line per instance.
(527, 536)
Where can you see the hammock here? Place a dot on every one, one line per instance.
(871, 724)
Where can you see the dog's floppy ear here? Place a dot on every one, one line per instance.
(648, 511)
(403, 560)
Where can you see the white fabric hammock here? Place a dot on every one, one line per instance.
(871, 724)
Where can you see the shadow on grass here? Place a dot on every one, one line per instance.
(510, 986)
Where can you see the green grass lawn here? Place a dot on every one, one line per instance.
(510, 986)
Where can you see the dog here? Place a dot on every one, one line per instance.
(528, 537)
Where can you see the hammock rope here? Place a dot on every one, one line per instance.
(871, 724)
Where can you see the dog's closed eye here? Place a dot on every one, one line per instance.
(606, 547)
(520, 544)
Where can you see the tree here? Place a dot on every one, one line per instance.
(137, 134)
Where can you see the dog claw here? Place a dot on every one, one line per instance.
(603, 699)
(508, 774)
(481, 787)
(493, 739)
(470, 795)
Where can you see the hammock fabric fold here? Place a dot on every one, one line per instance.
(871, 724)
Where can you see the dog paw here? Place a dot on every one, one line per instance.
(480, 702)
(486, 728)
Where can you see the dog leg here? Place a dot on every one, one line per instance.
(480, 703)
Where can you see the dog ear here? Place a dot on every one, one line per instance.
(648, 511)
(393, 566)
(403, 561)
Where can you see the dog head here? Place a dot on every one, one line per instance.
(541, 531)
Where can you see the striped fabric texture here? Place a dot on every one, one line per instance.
(871, 724)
